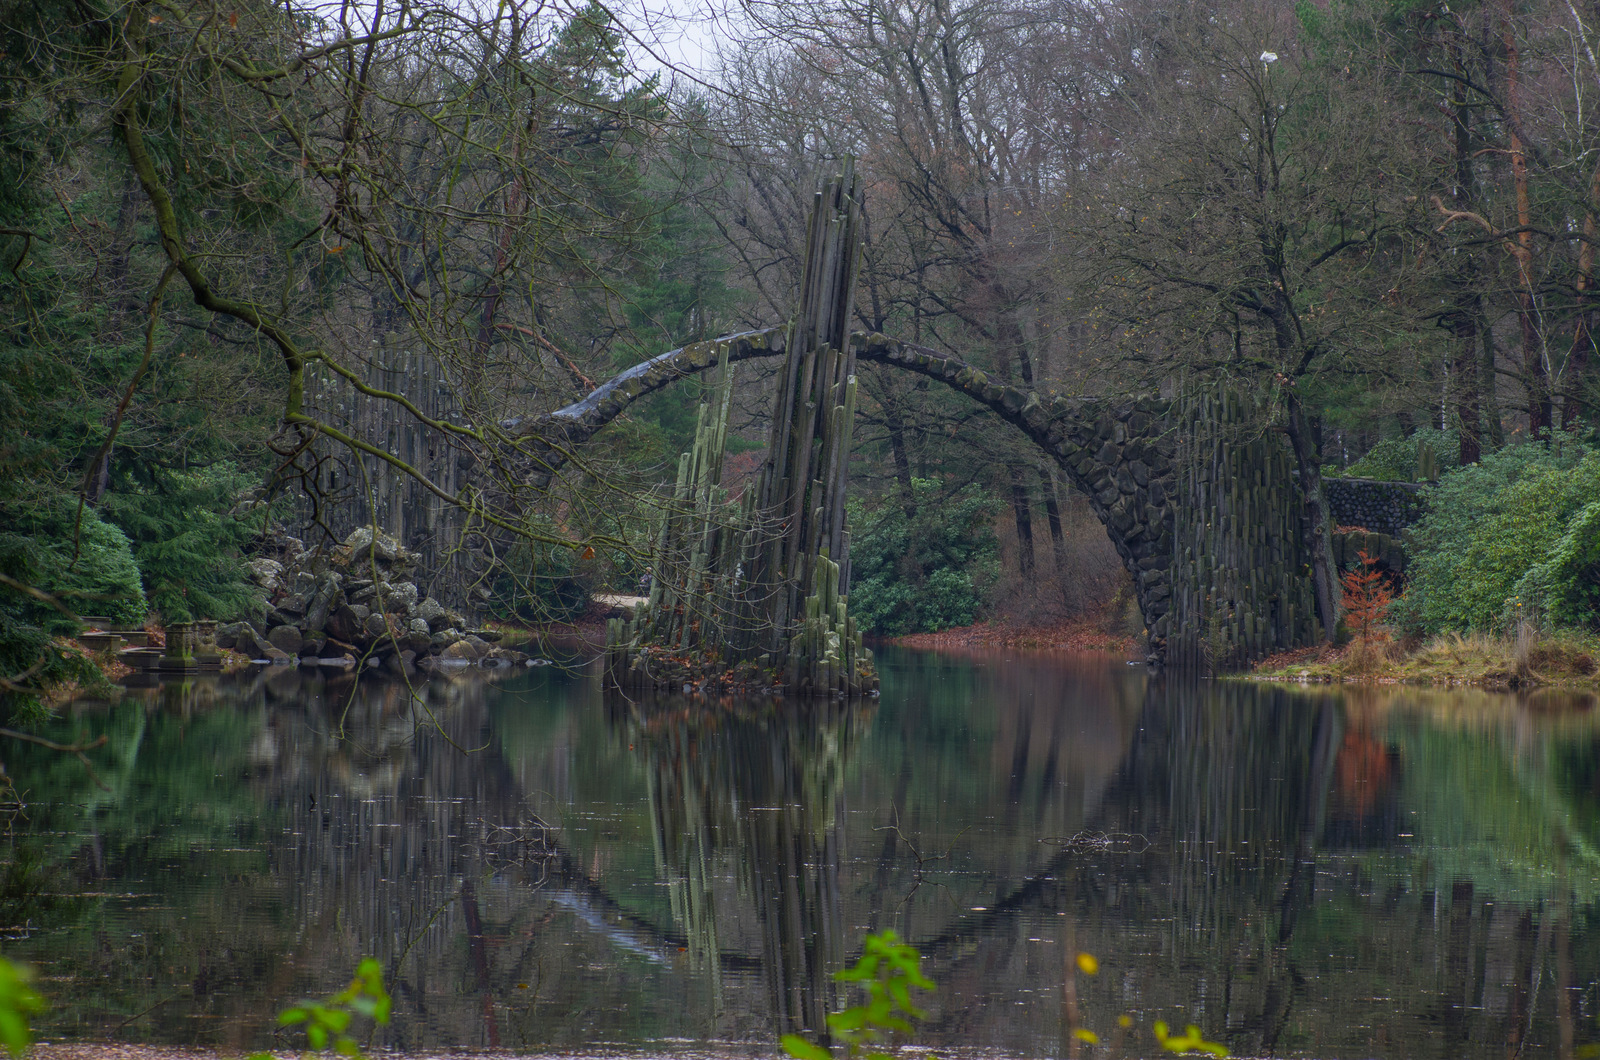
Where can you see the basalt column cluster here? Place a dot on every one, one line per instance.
(1241, 573)
(755, 593)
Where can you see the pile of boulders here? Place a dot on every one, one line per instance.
(356, 602)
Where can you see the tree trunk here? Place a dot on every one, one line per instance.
(1024, 517)
(1533, 367)
(1583, 335)
(1313, 515)
(1489, 379)
(1466, 372)
(1052, 511)
(1468, 378)
(897, 449)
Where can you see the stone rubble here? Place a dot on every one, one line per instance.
(357, 601)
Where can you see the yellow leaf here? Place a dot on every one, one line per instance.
(1087, 964)
(1086, 1036)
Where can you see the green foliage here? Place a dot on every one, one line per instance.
(88, 566)
(18, 1003)
(1396, 459)
(1565, 586)
(1487, 525)
(887, 970)
(186, 541)
(926, 571)
(31, 658)
(542, 582)
(327, 1024)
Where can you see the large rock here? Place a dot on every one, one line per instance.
(266, 573)
(416, 643)
(248, 643)
(438, 617)
(430, 611)
(346, 623)
(228, 633)
(286, 639)
(288, 616)
(323, 601)
(417, 625)
(376, 626)
(400, 596)
(364, 544)
(462, 650)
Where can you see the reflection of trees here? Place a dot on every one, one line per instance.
(262, 853)
(759, 780)
(1329, 874)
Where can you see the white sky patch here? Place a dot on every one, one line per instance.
(679, 38)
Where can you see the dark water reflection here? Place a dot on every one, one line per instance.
(1374, 873)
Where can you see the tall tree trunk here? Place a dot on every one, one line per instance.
(1024, 518)
(1533, 367)
(1052, 511)
(1313, 514)
(897, 448)
(1489, 380)
(1465, 324)
(1583, 334)
(1466, 373)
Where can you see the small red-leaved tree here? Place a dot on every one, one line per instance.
(1366, 598)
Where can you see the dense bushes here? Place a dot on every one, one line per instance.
(1399, 459)
(925, 571)
(187, 540)
(1518, 531)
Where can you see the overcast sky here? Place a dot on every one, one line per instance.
(676, 35)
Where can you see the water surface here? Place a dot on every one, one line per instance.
(541, 866)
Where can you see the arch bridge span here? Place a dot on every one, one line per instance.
(1119, 453)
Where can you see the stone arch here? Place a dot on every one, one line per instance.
(1118, 453)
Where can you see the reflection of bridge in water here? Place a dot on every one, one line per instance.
(712, 866)
(1252, 828)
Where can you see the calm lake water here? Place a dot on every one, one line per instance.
(1376, 872)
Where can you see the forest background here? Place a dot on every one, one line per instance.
(291, 268)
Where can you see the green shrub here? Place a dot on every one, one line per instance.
(1395, 459)
(31, 658)
(88, 566)
(542, 582)
(186, 541)
(1486, 527)
(925, 572)
(1565, 587)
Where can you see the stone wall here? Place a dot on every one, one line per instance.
(1380, 507)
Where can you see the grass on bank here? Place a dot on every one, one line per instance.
(1526, 659)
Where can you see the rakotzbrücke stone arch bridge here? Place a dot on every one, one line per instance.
(1197, 497)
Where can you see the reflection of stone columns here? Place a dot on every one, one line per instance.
(1229, 784)
(759, 783)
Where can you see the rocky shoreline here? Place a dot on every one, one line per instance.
(357, 604)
